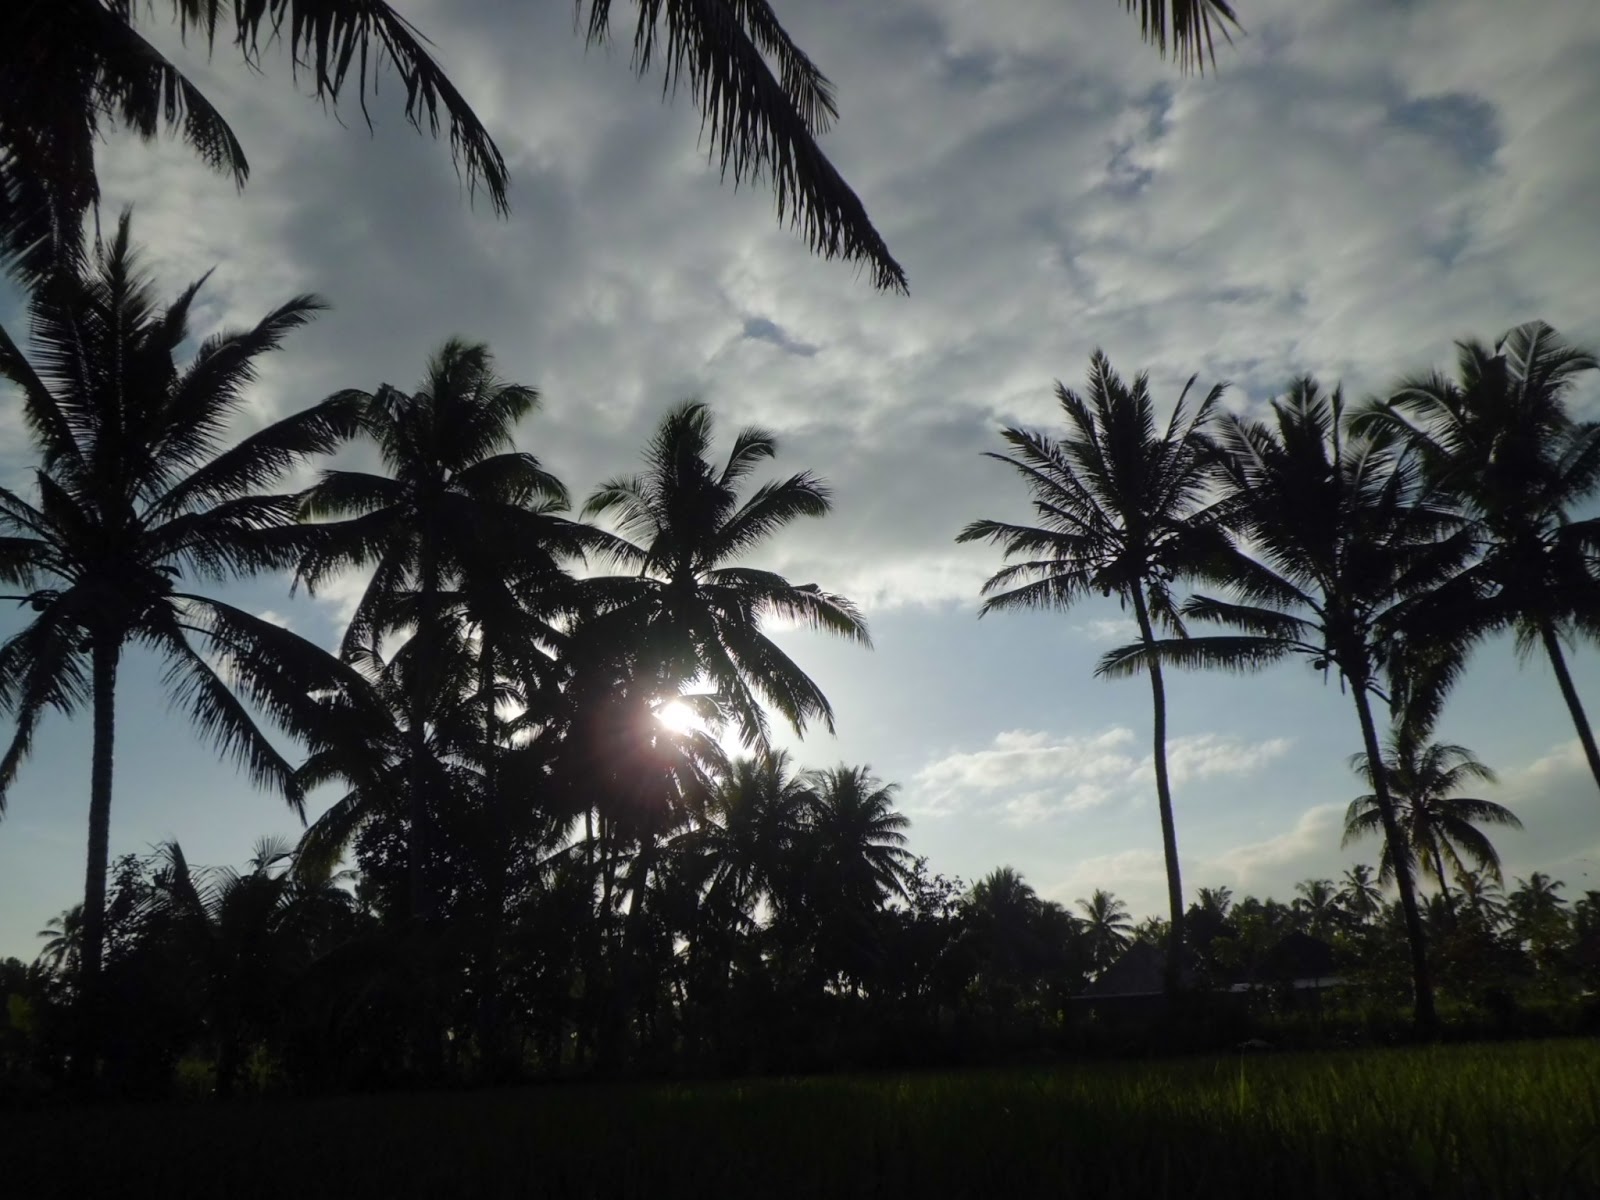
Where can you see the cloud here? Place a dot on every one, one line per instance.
(1107, 629)
(760, 329)
(1302, 849)
(1029, 776)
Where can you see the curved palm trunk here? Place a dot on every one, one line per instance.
(1569, 693)
(1172, 978)
(105, 655)
(1421, 978)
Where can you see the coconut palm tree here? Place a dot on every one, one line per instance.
(1345, 551)
(138, 491)
(460, 520)
(1317, 906)
(1360, 894)
(856, 837)
(1440, 828)
(1501, 438)
(63, 936)
(1482, 898)
(1121, 507)
(1534, 904)
(1107, 926)
(685, 613)
(747, 827)
(248, 933)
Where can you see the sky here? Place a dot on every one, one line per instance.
(1358, 183)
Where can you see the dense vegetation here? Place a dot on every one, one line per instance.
(559, 864)
(558, 843)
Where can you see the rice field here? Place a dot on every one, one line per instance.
(1516, 1120)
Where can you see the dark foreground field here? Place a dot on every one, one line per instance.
(1511, 1121)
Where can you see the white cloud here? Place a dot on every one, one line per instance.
(1030, 775)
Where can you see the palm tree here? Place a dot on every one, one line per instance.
(856, 837)
(1121, 508)
(1501, 438)
(1535, 906)
(1360, 894)
(1317, 905)
(1348, 552)
(1107, 926)
(1482, 898)
(63, 937)
(1438, 826)
(460, 520)
(749, 824)
(136, 491)
(686, 614)
(248, 934)
(850, 859)
(1216, 901)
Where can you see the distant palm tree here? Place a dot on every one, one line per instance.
(1438, 826)
(686, 613)
(1360, 894)
(749, 824)
(63, 940)
(858, 836)
(1501, 438)
(461, 518)
(1482, 898)
(1121, 507)
(1534, 904)
(1317, 906)
(248, 934)
(136, 491)
(1217, 901)
(1347, 545)
(1107, 926)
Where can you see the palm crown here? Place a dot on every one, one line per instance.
(1439, 826)
(687, 614)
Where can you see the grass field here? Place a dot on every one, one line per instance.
(1477, 1121)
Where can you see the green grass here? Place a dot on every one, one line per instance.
(1477, 1121)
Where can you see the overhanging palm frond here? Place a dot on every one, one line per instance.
(757, 125)
(345, 43)
(1220, 653)
(1190, 25)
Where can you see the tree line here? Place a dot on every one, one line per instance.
(557, 861)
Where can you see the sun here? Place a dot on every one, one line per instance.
(679, 717)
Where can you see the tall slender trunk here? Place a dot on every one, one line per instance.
(422, 893)
(1569, 693)
(1444, 887)
(1421, 978)
(106, 653)
(1172, 978)
(499, 835)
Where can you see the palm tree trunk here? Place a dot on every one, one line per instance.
(1421, 978)
(1173, 974)
(106, 653)
(490, 1033)
(422, 895)
(1569, 693)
